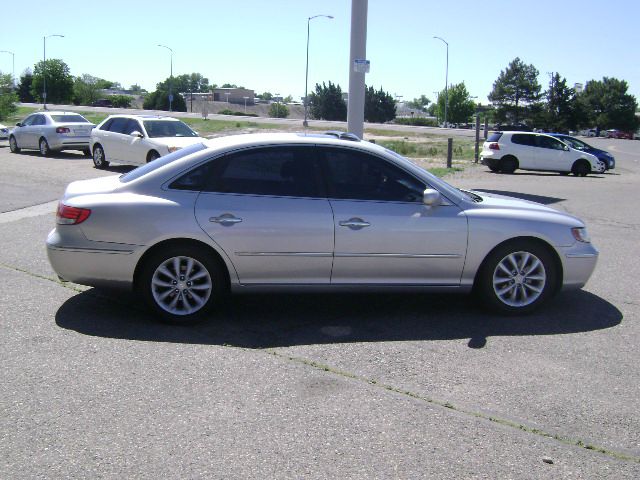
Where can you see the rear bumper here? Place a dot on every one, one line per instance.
(68, 143)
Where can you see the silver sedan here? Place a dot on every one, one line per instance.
(289, 212)
(52, 131)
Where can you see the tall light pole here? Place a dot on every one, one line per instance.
(306, 78)
(170, 76)
(446, 83)
(13, 65)
(44, 68)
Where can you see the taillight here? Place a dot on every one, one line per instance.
(494, 146)
(67, 215)
(62, 130)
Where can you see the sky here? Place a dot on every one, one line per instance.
(261, 45)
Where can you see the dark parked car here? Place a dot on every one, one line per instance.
(103, 102)
(604, 156)
(516, 127)
(614, 133)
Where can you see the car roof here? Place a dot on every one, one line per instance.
(144, 117)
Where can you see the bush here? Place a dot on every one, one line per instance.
(120, 101)
(417, 121)
(226, 111)
(278, 110)
(159, 100)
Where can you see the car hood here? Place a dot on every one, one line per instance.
(503, 205)
(92, 186)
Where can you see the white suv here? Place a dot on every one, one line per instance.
(138, 139)
(507, 151)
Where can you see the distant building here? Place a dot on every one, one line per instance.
(234, 95)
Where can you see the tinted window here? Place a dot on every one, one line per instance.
(359, 176)
(132, 126)
(69, 118)
(107, 124)
(550, 142)
(168, 128)
(277, 171)
(118, 125)
(28, 121)
(494, 137)
(39, 120)
(521, 139)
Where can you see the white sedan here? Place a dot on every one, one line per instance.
(138, 139)
(4, 132)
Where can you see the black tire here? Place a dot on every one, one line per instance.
(43, 145)
(581, 168)
(13, 145)
(99, 158)
(517, 292)
(173, 297)
(152, 155)
(508, 164)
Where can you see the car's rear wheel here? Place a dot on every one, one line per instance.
(581, 168)
(508, 164)
(517, 277)
(99, 159)
(182, 283)
(13, 145)
(44, 147)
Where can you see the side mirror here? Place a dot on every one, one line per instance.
(137, 134)
(431, 197)
(19, 124)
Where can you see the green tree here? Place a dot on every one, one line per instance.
(59, 81)
(461, 107)
(24, 87)
(557, 114)
(421, 103)
(379, 106)
(278, 110)
(85, 89)
(136, 89)
(266, 96)
(8, 97)
(609, 105)
(188, 82)
(515, 90)
(326, 103)
(121, 101)
(159, 100)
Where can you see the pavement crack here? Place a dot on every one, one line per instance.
(448, 405)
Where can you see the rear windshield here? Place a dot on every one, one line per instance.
(494, 137)
(69, 119)
(167, 128)
(161, 162)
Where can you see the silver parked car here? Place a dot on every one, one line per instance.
(52, 131)
(307, 212)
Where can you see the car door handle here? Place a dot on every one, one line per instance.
(355, 223)
(225, 219)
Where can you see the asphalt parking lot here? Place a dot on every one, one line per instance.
(318, 386)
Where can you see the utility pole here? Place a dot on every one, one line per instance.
(358, 66)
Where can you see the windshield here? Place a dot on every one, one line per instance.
(69, 119)
(167, 128)
(161, 162)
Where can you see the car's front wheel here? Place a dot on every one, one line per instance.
(581, 168)
(517, 277)
(99, 159)
(182, 283)
(13, 145)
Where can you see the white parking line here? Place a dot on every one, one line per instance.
(34, 211)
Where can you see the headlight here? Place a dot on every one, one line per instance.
(580, 234)
(174, 149)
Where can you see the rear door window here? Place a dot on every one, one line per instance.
(523, 139)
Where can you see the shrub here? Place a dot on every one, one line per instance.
(120, 101)
(417, 121)
(278, 110)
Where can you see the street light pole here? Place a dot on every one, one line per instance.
(44, 68)
(170, 76)
(13, 66)
(306, 77)
(446, 82)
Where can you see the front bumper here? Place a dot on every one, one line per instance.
(578, 262)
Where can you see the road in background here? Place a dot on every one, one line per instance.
(317, 386)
